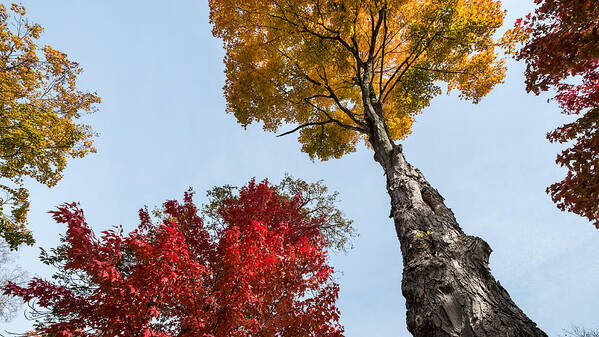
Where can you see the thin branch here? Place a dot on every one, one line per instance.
(338, 101)
(343, 125)
(303, 28)
(406, 61)
(383, 53)
(375, 32)
(305, 125)
(409, 65)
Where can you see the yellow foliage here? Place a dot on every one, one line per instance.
(313, 63)
(39, 105)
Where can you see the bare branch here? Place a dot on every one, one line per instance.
(305, 125)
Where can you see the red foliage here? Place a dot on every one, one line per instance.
(578, 192)
(264, 274)
(564, 45)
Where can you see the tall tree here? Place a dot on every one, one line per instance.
(262, 272)
(39, 107)
(345, 70)
(562, 46)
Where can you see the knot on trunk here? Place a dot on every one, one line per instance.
(432, 198)
(478, 251)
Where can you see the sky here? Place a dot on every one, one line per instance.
(163, 128)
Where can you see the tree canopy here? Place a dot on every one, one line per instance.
(313, 62)
(39, 107)
(317, 202)
(562, 53)
(264, 272)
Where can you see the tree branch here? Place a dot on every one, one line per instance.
(343, 125)
(408, 66)
(305, 125)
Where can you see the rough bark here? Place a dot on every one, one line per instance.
(447, 282)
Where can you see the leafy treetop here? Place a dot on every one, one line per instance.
(263, 273)
(39, 106)
(316, 202)
(562, 44)
(314, 62)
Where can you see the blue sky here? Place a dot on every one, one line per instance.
(163, 128)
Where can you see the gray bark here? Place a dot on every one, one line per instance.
(447, 283)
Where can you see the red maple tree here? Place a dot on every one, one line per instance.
(562, 53)
(265, 273)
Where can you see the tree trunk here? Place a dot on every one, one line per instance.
(447, 283)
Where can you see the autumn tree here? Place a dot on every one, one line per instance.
(39, 107)
(343, 71)
(262, 272)
(317, 202)
(562, 53)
